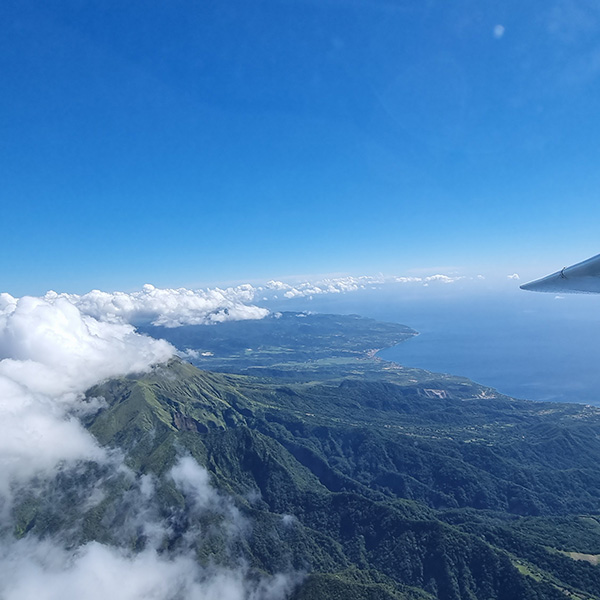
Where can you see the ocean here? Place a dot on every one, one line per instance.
(526, 345)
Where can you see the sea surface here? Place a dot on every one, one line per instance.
(526, 345)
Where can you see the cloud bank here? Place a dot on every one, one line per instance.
(167, 307)
(50, 354)
(342, 285)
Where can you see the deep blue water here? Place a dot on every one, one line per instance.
(524, 344)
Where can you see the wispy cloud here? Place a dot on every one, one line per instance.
(34, 568)
(498, 31)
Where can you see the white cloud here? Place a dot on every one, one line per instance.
(44, 568)
(191, 354)
(168, 307)
(288, 520)
(342, 285)
(442, 278)
(499, 31)
(194, 481)
(50, 354)
(334, 285)
(277, 285)
(514, 276)
(32, 568)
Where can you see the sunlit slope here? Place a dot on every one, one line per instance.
(443, 441)
(378, 479)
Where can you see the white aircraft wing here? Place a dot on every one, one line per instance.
(582, 278)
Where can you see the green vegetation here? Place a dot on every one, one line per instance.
(296, 346)
(376, 481)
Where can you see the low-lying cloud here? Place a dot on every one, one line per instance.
(43, 569)
(50, 354)
(51, 569)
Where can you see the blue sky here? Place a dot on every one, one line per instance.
(192, 143)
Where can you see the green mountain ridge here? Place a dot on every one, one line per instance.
(372, 485)
(398, 484)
